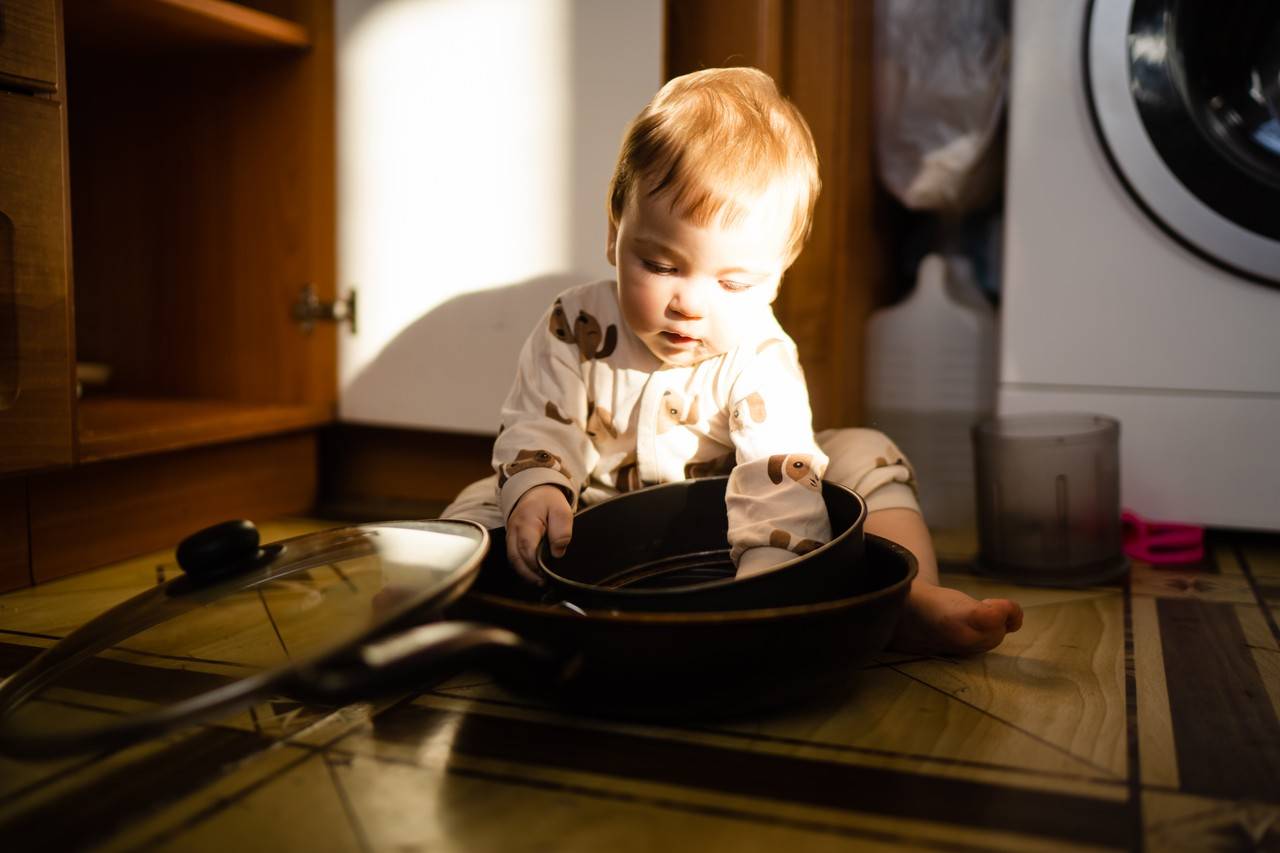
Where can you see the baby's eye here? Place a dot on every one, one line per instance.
(660, 269)
(734, 286)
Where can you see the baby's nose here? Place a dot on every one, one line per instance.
(689, 300)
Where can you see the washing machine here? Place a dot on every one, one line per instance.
(1141, 271)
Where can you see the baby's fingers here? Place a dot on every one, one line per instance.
(522, 549)
(559, 528)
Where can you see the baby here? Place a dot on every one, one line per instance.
(679, 369)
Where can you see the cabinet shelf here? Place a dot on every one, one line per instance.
(169, 24)
(118, 427)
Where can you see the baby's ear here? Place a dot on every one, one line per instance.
(611, 245)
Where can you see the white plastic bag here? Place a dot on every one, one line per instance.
(941, 77)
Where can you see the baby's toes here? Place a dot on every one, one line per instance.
(987, 624)
(1009, 612)
(987, 617)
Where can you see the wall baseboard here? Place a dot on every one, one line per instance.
(380, 473)
(91, 515)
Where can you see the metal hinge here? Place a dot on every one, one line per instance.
(309, 310)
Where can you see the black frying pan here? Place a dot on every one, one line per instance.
(710, 663)
(665, 548)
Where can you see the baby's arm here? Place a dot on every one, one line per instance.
(774, 497)
(542, 454)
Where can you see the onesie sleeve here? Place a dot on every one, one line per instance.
(542, 437)
(774, 495)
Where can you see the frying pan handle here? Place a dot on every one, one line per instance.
(425, 655)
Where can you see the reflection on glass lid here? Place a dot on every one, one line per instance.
(208, 644)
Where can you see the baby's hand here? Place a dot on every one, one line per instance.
(543, 510)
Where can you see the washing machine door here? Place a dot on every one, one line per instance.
(1185, 97)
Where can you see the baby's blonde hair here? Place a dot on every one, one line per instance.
(715, 141)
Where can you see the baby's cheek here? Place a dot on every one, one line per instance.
(748, 315)
(725, 332)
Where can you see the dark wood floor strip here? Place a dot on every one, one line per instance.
(860, 833)
(44, 781)
(108, 677)
(140, 652)
(89, 815)
(353, 819)
(1262, 594)
(31, 634)
(762, 737)
(826, 784)
(1136, 819)
(1225, 729)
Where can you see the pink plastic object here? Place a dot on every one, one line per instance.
(1161, 543)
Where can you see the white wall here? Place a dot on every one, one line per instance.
(475, 143)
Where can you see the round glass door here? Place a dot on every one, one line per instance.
(1186, 100)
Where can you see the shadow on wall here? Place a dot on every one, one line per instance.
(444, 233)
(486, 327)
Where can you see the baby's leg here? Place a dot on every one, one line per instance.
(478, 502)
(937, 619)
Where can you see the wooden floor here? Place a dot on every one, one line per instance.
(1122, 717)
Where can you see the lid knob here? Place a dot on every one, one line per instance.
(220, 549)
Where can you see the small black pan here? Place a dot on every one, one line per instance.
(665, 548)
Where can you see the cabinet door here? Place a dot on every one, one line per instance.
(36, 403)
(28, 54)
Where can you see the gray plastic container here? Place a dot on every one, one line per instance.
(1048, 494)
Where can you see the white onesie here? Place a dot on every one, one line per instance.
(594, 412)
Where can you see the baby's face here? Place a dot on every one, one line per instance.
(689, 292)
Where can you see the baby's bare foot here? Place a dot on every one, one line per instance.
(940, 620)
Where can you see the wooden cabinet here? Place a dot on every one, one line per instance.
(35, 340)
(28, 45)
(199, 142)
(187, 148)
(201, 203)
(36, 407)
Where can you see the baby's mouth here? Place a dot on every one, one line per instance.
(675, 338)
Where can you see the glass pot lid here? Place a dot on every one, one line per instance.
(240, 622)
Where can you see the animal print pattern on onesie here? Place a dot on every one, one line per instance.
(893, 456)
(626, 477)
(585, 333)
(527, 459)
(752, 405)
(711, 467)
(553, 412)
(599, 421)
(782, 539)
(672, 411)
(797, 466)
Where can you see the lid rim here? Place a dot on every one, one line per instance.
(113, 627)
